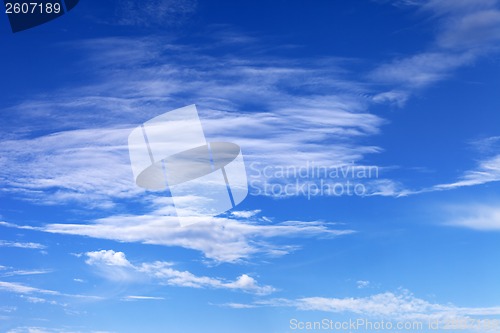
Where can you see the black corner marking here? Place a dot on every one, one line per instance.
(27, 14)
(70, 4)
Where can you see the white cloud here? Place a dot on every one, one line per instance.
(38, 300)
(108, 258)
(143, 298)
(395, 97)
(218, 238)
(245, 282)
(466, 30)
(474, 30)
(34, 295)
(420, 70)
(362, 284)
(386, 188)
(282, 128)
(488, 145)
(34, 246)
(11, 225)
(87, 166)
(245, 213)
(300, 109)
(287, 137)
(164, 273)
(27, 272)
(238, 306)
(112, 266)
(481, 217)
(398, 306)
(173, 277)
(8, 309)
(487, 171)
(221, 239)
(23, 289)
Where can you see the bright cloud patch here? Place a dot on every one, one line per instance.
(166, 274)
(475, 216)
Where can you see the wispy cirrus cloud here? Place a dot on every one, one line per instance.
(116, 264)
(61, 165)
(477, 29)
(487, 171)
(24, 289)
(29, 291)
(143, 298)
(466, 31)
(22, 245)
(300, 109)
(418, 71)
(238, 305)
(26, 272)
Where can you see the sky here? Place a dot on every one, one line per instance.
(371, 140)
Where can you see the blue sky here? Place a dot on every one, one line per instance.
(408, 88)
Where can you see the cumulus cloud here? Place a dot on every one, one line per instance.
(108, 258)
